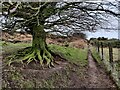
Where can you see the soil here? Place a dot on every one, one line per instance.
(0, 70)
(97, 76)
(63, 75)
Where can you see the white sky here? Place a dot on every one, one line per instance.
(102, 33)
(105, 33)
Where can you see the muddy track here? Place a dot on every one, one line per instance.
(0, 68)
(97, 76)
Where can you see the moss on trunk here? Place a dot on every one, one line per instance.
(39, 51)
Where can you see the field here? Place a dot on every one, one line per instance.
(60, 76)
(115, 54)
(113, 68)
(116, 62)
(72, 66)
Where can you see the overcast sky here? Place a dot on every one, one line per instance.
(106, 33)
(102, 33)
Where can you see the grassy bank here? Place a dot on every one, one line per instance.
(74, 55)
(96, 55)
(63, 76)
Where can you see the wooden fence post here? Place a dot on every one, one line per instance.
(102, 50)
(98, 47)
(110, 54)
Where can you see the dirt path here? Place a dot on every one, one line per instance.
(97, 77)
(0, 66)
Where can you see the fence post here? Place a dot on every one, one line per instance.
(95, 45)
(110, 54)
(98, 47)
(102, 50)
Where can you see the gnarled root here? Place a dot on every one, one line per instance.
(44, 57)
(35, 55)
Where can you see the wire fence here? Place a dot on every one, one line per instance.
(110, 57)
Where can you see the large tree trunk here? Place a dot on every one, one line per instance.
(39, 51)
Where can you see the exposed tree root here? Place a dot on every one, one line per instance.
(44, 57)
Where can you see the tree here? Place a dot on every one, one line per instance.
(79, 34)
(62, 17)
(102, 38)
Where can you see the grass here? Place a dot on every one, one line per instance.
(116, 65)
(74, 55)
(96, 55)
(60, 78)
(1, 42)
(116, 59)
(115, 53)
(8, 47)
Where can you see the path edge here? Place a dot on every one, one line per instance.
(105, 70)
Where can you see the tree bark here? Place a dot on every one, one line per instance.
(39, 51)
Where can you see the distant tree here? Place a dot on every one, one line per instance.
(59, 17)
(114, 39)
(102, 38)
(79, 35)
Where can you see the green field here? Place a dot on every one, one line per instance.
(74, 55)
